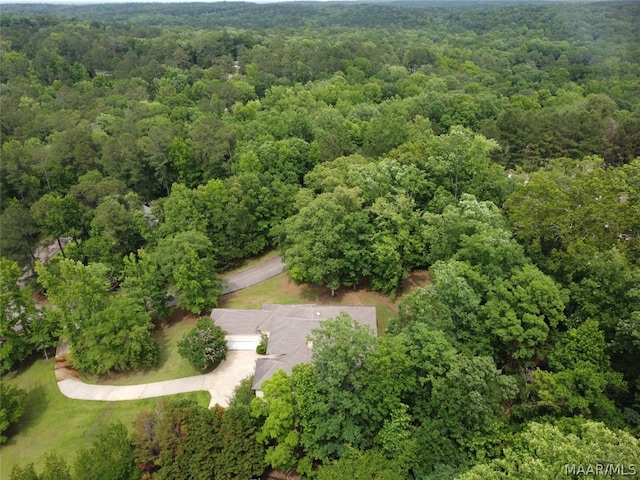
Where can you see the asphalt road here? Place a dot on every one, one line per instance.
(252, 275)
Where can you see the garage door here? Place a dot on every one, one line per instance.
(243, 342)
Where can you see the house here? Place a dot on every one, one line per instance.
(287, 327)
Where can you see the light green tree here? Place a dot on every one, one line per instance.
(547, 452)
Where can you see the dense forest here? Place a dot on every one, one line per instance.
(497, 146)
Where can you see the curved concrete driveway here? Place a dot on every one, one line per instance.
(219, 383)
(253, 275)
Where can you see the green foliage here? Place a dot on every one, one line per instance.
(567, 213)
(27, 472)
(466, 407)
(78, 292)
(280, 430)
(55, 468)
(12, 406)
(261, 349)
(120, 224)
(324, 244)
(430, 356)
(116, 338)
(109, 458)
(98, 116)
(581, 376)
(182, 157)
(179, 440)
(243, 393)
(242, 455)
(340, 349)
(359, 465)
(58, 216)
(459, 221)
(107, 332)
(19, 233)
(607, 291)
(523, 311)
(542, 451)
(144, 281)
(17, 312)
(186, 263)
(205, 346)
(397, 438)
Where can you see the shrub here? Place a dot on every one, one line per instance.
(12, 405)
(205, 346)
(261, 349)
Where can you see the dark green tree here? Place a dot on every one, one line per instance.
(241, 455)
(59, 217)
(17, 311)
(19, 233)
(467, 412)
(341, 347)
(55, 468)
(183, 160)
(361, 465)
(326, 242)
(180, 439)
(187, 265)
(110, 457)
(12, 407)
(116, 338)
(28, 472)
(581, 376)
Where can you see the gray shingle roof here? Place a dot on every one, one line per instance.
(288, 327)
(241, 322)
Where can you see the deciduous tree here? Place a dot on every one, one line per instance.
(12, 407)
(17, 310)
(205, 346)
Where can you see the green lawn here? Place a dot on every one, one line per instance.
(52, 421)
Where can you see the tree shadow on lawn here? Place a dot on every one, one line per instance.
(162, 337)
(35, 407)
(322, 295)
(176, 316)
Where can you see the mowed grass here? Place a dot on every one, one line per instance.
(54, 422)
(281, 289)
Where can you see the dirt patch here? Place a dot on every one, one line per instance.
(63, 365)
(416, 279)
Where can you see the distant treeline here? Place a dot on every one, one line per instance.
(411, 14)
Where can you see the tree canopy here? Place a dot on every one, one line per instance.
(148, 148)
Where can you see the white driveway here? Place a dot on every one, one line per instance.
(219, 383)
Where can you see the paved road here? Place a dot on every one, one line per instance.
(219, 383)
(253, 275)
